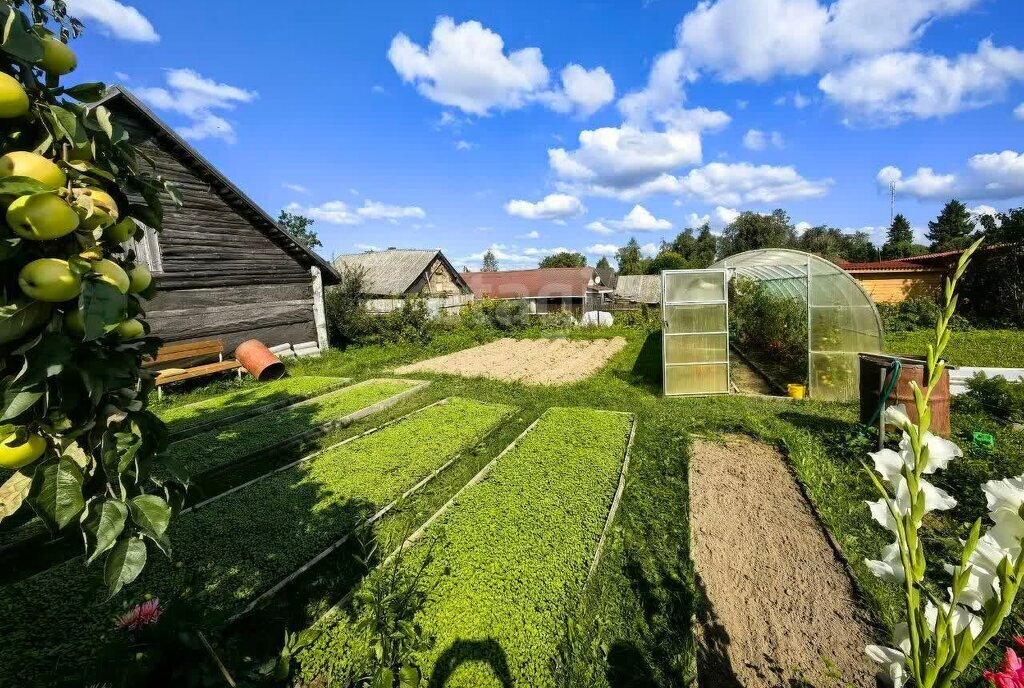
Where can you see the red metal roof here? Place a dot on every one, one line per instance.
(531, 284)
(886, 266)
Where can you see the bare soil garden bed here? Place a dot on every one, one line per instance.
(532, 361)
(778, 605)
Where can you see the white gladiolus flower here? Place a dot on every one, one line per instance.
(890, 567)
(880, 512)
(962, 619)
(1005, 494)
(890, 464)
(897, 415)
(940, 452)
(893, 664)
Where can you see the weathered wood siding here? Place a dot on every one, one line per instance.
(222, 277)
(886, 287)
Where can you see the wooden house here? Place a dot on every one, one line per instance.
(391, 276)
(224, 268)
(547, 290)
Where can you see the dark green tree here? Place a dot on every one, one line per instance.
(564, 259)
(837, 245)
(603, 263)
(899, 241)
(1004, 228)
(667, 260)
(631, 260)
(751, 231)
(490, 263)
(299, 227)
(952, 229)
(698, 251)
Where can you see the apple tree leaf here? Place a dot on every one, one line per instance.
(102, 525)
(124, 564)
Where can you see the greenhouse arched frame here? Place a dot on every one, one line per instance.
(842, 321)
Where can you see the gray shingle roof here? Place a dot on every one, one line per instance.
(638, 288)
(388, 273)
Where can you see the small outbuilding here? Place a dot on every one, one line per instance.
(404, 272)
(224, 268)
(638, 290)
(547, 290)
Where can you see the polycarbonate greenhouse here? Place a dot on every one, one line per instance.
(841, 321)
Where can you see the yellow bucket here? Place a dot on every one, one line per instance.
(796, 391)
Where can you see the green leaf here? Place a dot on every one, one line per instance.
(18, 39)
(124, 564)
(56, 492)
(21, 186)
(46, 358)
(103, 119)
(102, 525)
(103, 307)
(408, 677)
(21, 318)
(69, 125)
(88, 92)
(152, 515)
(384, 678)
(13, 493)
(18, 399)
(118, 451)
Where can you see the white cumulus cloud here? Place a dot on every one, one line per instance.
(599, 227)
(466, 66)
(994, 176)
(601, 249)
(735, 183)
(551, 207)
(640, 219)
(757, 140)
(341, 213)
(893, 87)
(759, 39)
(1018, 111)
(197, 97)
(115, 18)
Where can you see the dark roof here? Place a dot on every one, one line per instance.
(949, 258)
(395, 271)
(608, 276)
(531, 284)
(234, 196)
(638, 289)
(927, 262)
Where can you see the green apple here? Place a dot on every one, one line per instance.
(141, 278)
(104, 208)
(112, 273)
(121, 232)
(34, 166)
(13, 99)
(50, 280)
(74, 322)
(130, 329)
(58, 58)
(14, 458)
(41, 216)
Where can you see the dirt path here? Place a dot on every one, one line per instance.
(747, 379)
(777, 599)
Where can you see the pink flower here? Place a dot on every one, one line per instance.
(1012, 675)
(141, 615)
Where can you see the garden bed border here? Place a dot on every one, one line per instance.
(245, 414)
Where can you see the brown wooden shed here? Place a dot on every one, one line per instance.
(224, 268)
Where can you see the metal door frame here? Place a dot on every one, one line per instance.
(665, 365)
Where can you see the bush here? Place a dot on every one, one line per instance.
(345, 309)
(992, 291)
(914, 313)
(501, 315)
(769, 328)
(643, 318)
(997, 397)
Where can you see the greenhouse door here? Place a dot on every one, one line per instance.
(695, 332)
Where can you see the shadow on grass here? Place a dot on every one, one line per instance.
(462, 652)
(646, 370)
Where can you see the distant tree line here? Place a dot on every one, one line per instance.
(954, 228)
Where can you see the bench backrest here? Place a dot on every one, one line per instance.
(175, 353)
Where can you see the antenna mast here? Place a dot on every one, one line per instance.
(892, 202)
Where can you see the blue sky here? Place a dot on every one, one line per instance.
(533, 126)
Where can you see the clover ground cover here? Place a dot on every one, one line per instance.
(223, 446)
(224, 407)
(239, 545)
(509, 558)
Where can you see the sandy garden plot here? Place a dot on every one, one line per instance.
(533, 361)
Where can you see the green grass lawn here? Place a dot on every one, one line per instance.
(974, 348)
(644, 592)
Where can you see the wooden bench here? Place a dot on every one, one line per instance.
(181, 354)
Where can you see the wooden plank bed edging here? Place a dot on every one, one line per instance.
(613, 509)
(289, 400)
(280, 585)
(323, 428)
